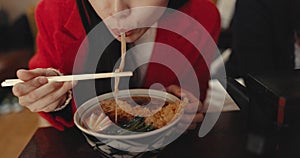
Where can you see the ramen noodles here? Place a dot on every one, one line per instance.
(120, 69)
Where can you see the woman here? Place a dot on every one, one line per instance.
(63, 25)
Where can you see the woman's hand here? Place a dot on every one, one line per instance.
(192, 111)
(37, 94)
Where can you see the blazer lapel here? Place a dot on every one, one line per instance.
(73, 26)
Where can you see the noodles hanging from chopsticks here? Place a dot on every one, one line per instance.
(120, 69)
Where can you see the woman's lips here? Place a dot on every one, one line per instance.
(128, 33)
(118, 32)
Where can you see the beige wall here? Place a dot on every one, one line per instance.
(16, 7)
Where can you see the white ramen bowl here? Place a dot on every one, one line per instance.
(133, 145)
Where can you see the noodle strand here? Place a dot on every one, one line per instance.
(120, 69)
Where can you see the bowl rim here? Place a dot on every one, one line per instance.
(91, 102)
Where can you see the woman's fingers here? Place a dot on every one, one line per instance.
(193, 102)
(24, 88)
(193, 107)
(192, 111)
(32, 80)
(39, 93)
(27, 75)
(193, 126)
(47, 108)
(174, 89)
(190, 122)
(51, 100)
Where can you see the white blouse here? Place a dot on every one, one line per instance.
(140, 53)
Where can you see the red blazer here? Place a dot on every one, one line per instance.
(60, 33)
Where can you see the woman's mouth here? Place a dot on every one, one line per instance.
(118, 32)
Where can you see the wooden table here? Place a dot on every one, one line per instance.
(228, 138)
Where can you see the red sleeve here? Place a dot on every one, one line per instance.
(46, 53)
(54, 45)
(60, 33)
(62, 118)
(207, 14)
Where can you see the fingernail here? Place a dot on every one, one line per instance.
(58, 84)
(19, 72)
(43, 80)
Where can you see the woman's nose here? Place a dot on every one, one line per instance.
(121, 8)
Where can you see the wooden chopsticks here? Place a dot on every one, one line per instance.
(12, 82)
